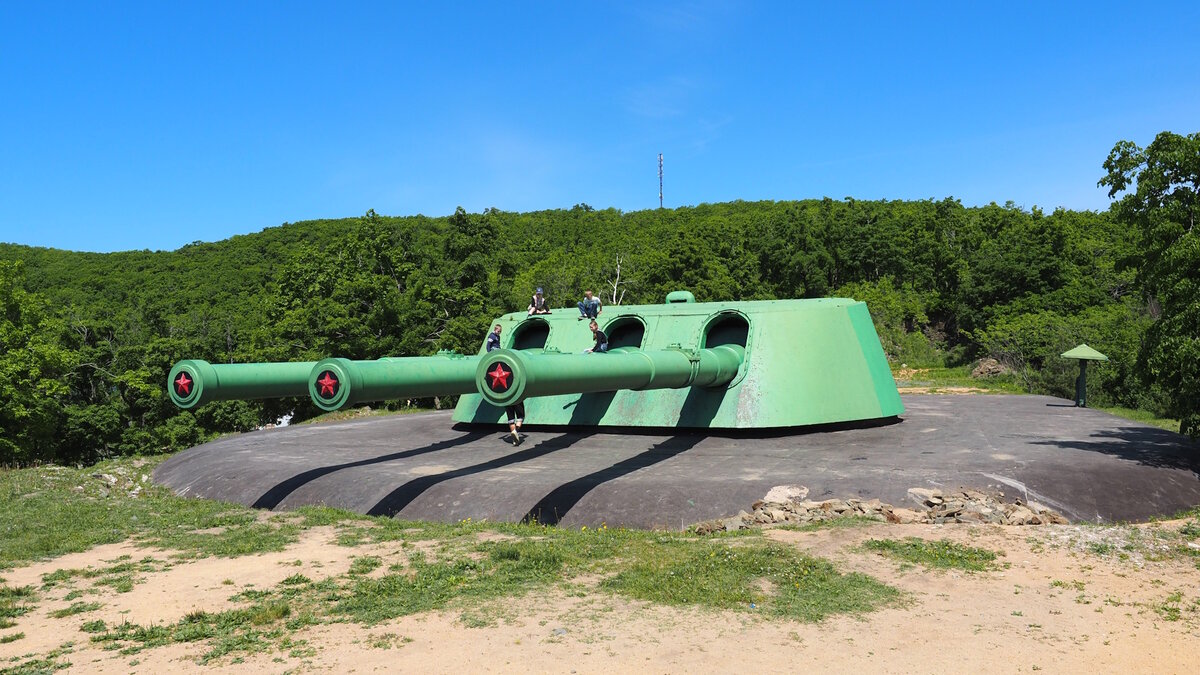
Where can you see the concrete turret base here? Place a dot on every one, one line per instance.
(1086, 464)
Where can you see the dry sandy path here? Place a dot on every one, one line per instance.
(1054, 607)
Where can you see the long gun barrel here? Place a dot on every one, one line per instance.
(506, 377)
(193, 382)
(336, 383)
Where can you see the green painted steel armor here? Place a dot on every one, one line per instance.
(801, 362)
(761, 364)
(337, 383)
(195, 382)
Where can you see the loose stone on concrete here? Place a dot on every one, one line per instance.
(959, 506)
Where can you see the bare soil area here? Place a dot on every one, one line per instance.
(1061, 599)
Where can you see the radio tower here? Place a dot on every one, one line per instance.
(660, 180)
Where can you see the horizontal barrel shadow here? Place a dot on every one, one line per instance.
(395, 501)
(555, 505)
(273, 497)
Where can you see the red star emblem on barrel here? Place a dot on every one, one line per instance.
(327, 384)
(499, 377)
(183, 384)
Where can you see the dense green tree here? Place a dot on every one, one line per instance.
(1160, 188)
(32, 364)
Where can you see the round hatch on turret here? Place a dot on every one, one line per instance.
(625, 331)
(531, 334)
(726, 328)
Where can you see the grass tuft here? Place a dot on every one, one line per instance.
(935, 554)
(76, 608)
(365, 564)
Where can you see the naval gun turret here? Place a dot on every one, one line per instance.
(720, 365)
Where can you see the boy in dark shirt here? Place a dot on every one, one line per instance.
(600, 338)
(493, 338)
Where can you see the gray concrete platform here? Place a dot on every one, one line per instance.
(1088, 465)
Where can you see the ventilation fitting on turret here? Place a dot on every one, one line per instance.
(727, 329)
(679, 297)
(531, 334)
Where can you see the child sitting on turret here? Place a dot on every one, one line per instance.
(538, 304)
(589, 307)
(600, 338)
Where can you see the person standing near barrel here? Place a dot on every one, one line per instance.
(514, 413)
(493, 338)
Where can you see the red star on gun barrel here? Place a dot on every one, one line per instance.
(499, 376)
(328, 383)
(183, 384)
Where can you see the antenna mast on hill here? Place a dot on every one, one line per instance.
(660, 180)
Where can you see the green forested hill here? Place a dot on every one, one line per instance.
(945, 283)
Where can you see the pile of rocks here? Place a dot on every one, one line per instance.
(932, 506)
(990, 367)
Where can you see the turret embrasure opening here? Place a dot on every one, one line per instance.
(625, 332)
(726, 329)
(531, 334)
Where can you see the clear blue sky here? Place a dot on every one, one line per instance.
(150, 125)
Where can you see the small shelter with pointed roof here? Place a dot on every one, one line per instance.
(1084, 354)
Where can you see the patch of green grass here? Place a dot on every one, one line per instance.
(316, 516)
(76, 608)
(270, 613)
(45, 517)
(15, 601)
(121, 576)
(433, 585)
(1143, 416)
(11, 638)
(245, 539)
(935, 554)
(365, 564)
(467, 566)
(1190, 529)
(1169, 609)
(773, 579)
(238, 630)
(937, 378)
(1059, 583)
(386, 641)
(41, 664)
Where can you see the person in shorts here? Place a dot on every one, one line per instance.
(516, 415)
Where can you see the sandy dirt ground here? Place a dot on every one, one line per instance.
(1053, 605)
